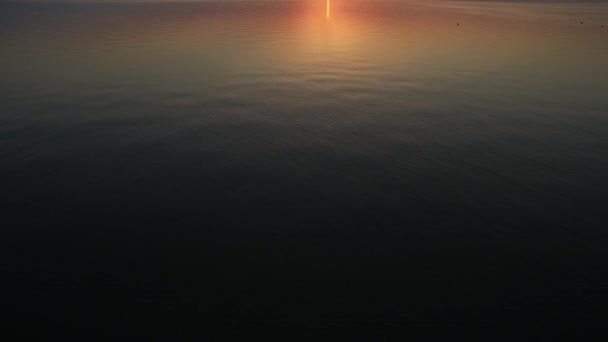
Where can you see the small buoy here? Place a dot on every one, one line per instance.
(457, 24)
(581, 22)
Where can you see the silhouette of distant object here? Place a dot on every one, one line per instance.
(457, 24)
(581, 22)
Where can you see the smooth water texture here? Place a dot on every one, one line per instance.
(279, 151)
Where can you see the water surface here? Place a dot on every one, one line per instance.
(373, 161)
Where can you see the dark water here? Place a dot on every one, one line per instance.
(169, 167)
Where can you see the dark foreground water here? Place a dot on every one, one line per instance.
(165, 168)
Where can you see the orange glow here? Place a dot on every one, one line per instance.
(410, 32)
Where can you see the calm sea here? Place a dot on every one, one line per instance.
(303, 162)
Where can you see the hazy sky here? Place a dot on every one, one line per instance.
(574, 1)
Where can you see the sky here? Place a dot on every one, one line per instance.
(569, 1)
